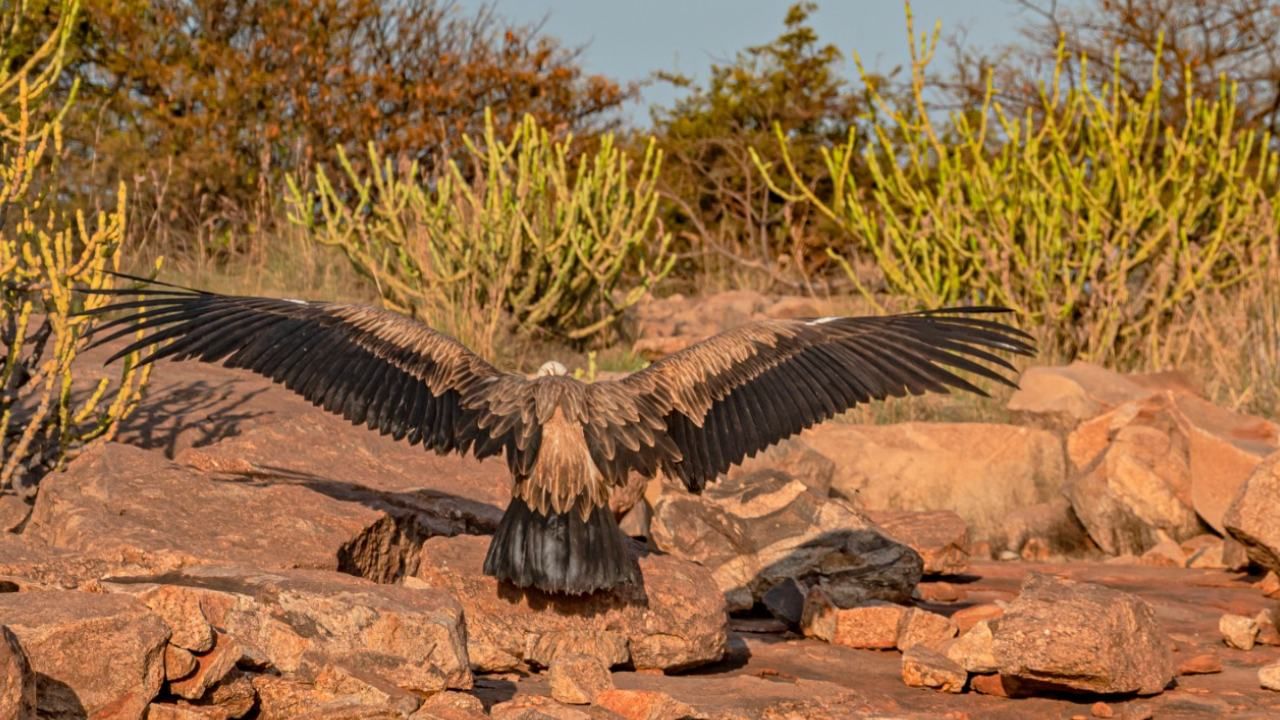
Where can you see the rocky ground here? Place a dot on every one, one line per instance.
(236, 553)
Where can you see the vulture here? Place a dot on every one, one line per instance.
(690, 415)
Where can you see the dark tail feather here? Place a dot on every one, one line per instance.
(561, 552)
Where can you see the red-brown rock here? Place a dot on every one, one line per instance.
(678, 621)
(94, 654)
(643, 705)
(939, 536)
(211, 668)
(1252, 518)
(1074, 636)
(1064, 396)
(754, 532)
(924, 667)
(921, 627)
(981, 472)
(1202, 664)
(17, 680)
(875, 625)
(578, 679)
(294, 620)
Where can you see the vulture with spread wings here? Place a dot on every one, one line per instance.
(691, 415)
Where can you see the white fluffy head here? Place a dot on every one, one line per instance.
(552, 367)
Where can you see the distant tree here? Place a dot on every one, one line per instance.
(207, 103)
(1238, 40)
(718, 203)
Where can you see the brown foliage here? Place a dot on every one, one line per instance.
(207, 103)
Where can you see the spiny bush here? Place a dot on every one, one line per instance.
(1100, 225)
(43, 421)
(518, 238)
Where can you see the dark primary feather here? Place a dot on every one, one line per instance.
(371, 366)
(736, 393)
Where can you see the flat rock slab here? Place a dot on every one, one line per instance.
(677, 621)
(298, 621)
(121, 502)
(92, 654)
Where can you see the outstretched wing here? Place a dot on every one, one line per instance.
(371, 366)
(743, 390)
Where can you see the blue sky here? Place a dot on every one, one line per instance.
(629, 39)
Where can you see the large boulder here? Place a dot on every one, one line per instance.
(982, 472)
(114, 674)
(117, 501)
(677, 620)
(1253, 518)
(1069, 636)
(754, 531)
(297, 621)
(1162, 466)
(1066, 395)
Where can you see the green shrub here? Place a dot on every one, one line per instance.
(42, 256)
(518, 239)
(1099, 224)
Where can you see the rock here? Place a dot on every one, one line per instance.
(577, 679)
(233, 697)
(537, 707)
(1269, 676)
(1224, 449)
(450, 706)
(1207, 551)
(300, 620)
(1053, 522)
(975, 650)
(17, 680)
(1268, 633)
(921, 627)
(13, 512)
(677, 621)
(1251, 517)
(752, 532)
(353, 684)
(785, 601)
(794, 458)
(923, 667)
(939, 592)
(1165, 553)
(994, 685)
(1238, 631)
(1202, 664)
(181, 611)
(971, 616)
(1131, 479)
(178, 662)
(211, 667)
(874, 625)
(1102, 710)
(939, 536)
(27, 564)
(122, 669)
(1064, 396)
(357, 501)
(643, 705)
(981, 472)
(1071, 636)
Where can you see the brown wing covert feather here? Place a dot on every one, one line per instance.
(738, 392)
